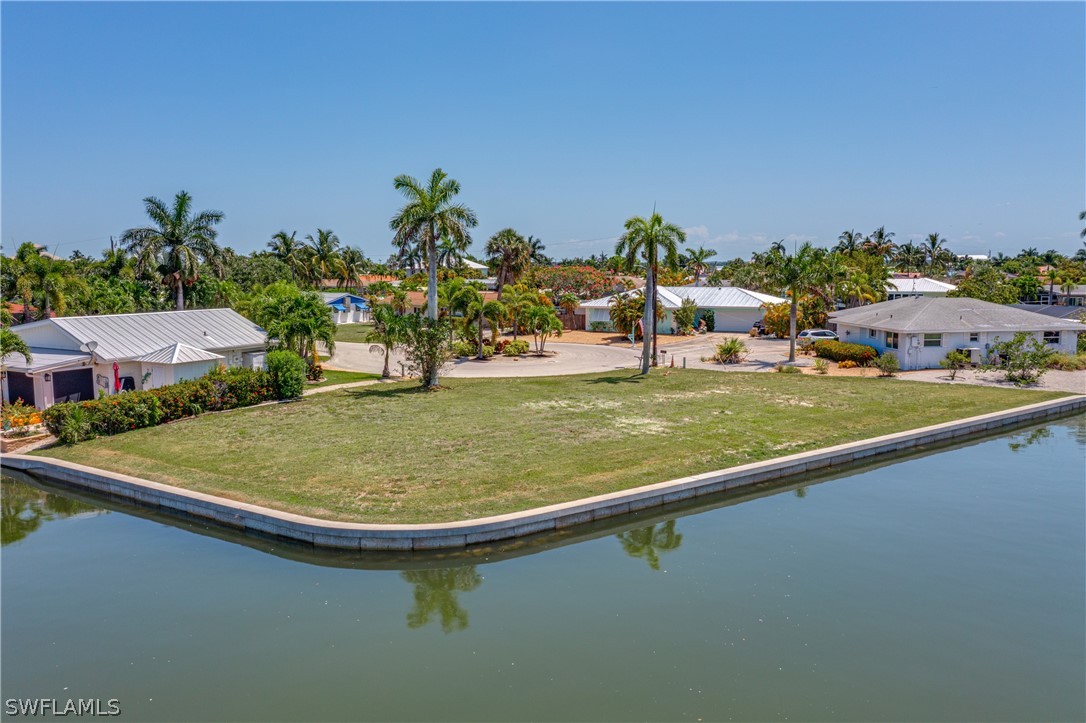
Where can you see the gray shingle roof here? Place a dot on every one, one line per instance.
(943, 314)
(127, 336)
(1054, 310)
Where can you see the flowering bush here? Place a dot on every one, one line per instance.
(840, 351)
(585, 282)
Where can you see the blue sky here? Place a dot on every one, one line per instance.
(743, 123)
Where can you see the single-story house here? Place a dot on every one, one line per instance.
(346, 308)
(1073, 296)
(77, 358)
(921, 330)
(904, 286)
(734, 309)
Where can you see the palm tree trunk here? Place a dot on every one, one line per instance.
(654, 352)
(385, 374)
(646, 340)
(792, 328)
(480, 354)
(431, 297)
(180, 295)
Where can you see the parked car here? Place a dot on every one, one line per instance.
(817, 335)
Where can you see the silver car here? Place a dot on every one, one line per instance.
(817, 335)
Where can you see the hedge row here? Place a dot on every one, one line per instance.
(222, 388)
(843, 351)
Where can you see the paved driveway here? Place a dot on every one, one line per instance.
(569, 359)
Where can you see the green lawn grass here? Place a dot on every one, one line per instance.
(352, 332)
(393, 453)
(335, 376)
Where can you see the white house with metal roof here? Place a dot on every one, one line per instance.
(921, 330)
(734, 309)
(77, 358)
(900, 288)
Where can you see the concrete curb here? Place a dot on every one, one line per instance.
(361, 536)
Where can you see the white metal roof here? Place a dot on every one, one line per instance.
(178, 354)
(473, 265)
(127, 336)
(946, 314)
(706, 297)
(922, 285)
(43, 360)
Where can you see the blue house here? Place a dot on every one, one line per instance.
(346, 308)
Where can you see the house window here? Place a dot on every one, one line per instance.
(933, 339)
(873, 333)
(891, 340)
(974, 336)
(1051, 337)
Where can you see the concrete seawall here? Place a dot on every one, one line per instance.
(360, 536)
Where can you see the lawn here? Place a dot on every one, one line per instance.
(392, 453)
(352, 332)
(335, 376)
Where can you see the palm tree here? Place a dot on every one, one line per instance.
(536, 246)
(350, 266)
(387, 331)
(796, 274)
(177, 242)
(934, 248)
(849, 241)
(323, 256)
(399, 301)
(450, 253)
(12, 343)
(880, 243)
(429, 215)
(1082, 217)
(697, 261)
(1052, 276)
(517, 298)
(288, 250)
(647, 543)
(650, 238)
(511, 253)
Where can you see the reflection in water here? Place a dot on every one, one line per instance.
(648, 542)
(1027, 439)
(24, 508)
(801, 492)
(436, 593)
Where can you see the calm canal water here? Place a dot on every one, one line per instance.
(946, 586)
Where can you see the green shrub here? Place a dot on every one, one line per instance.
(954, 362)
(684, 316)
(887, 364)
(839, 351)
(709, 317)
(287, 371)
(599, 326)
(1067, 362)
(186, 399)
(241, 387)
(1080, 345)
(488, 351)
(788, 369)
(124, 412)
(516, 348)
(464, 348)
(1023, 359)
(75, 427)
(732, 351)
(821, 366)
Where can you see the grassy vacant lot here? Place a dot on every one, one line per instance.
(392, 453)
(352, 332)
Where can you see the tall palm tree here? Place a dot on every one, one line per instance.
(350, 266)
(289, 250)
(650, 238)
(323, 256)
(511, 253)
(1053, 277)
(849, 241)
(697, 262)
(880, 243)
(517, 298)
(430, 214)
(934, 248)
(796, 274)
(176, 243)
(537, 248)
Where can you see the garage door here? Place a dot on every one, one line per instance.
(73, 386)
(736, 319)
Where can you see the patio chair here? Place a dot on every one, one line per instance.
(60, 400)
